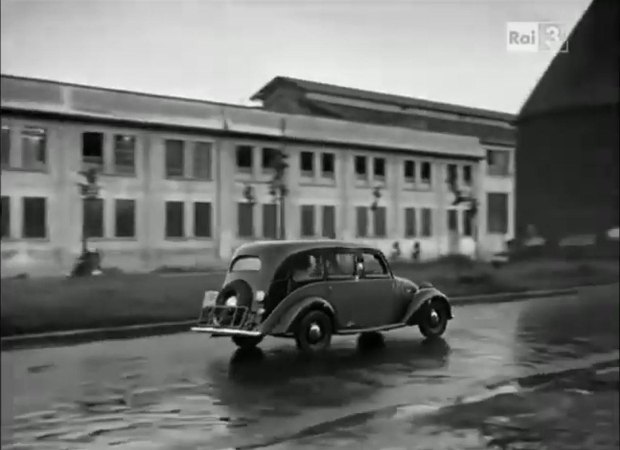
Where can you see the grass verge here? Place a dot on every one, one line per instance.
(42, 305)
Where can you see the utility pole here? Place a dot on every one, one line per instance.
(88, 263)
(89, 191)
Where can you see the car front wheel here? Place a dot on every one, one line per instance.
(246, 341)
(313, 333)
(433, 320)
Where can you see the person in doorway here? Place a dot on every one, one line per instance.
(396, 252)
(415, 254)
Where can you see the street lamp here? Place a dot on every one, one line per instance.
(376, 194)
(249, 195)
(463, 197)
(277, 187)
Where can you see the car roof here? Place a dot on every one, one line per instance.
(278, 250)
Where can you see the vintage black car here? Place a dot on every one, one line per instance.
(311, 290)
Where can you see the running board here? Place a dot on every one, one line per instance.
(371, 330)
(216, 331)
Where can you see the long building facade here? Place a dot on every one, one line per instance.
(175, 176)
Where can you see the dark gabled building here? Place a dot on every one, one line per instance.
(567, 135)
(294, 96)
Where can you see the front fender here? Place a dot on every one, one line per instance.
(423, 296)
(284, 316)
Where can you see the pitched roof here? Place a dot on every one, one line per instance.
(378, 97)
(33, 96)
(586, 75)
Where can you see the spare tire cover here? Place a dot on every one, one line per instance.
(239, 288)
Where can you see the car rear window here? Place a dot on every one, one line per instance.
(246, 264)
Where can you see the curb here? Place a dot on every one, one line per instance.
(94, 334)
(514, 296)
(192, 274)
(162, 328)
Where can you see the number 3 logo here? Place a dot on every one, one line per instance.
(553, 33)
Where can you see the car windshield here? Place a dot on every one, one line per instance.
(246, 264)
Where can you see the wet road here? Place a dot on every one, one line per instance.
(187, 391)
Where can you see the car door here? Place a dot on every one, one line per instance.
(377, 286)
(345, 291)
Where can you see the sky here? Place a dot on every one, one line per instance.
(451, 51)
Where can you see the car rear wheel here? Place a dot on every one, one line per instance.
(434, 319)
(247, 341)
(313, 333)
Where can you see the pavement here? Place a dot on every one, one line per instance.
(503, 370)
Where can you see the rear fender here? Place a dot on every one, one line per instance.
(423, 297)
(281, 322)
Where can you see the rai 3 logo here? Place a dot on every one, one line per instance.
(533, 37)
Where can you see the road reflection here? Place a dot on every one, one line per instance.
(568, 327)
(255, 367)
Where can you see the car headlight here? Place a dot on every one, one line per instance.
(231, 301)
(260, 296)
(209, 298)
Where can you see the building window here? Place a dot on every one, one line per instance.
(380, 220)
(379, 168)
(410, 223)
(244, 155)
(452, 174)
(410, 171)
(360, 167)
(361, 216)
(35, 218)
(467, 175)
(92, 219)
(268, 157)
(270, 218)
(92, 150)
(453, 221)
(328, 165)
(175, 219)
(306, 163)
(175, 158)
(329, 222)
(124, 154)
(307, 221)
(245, 220)
(125, 218)
(497, 212)
(5, 146)
(5, 212)
(468, 223)
(34, 142)
(202, 219)
(498, 162)
(202, 160)
(426, 173)
(427, 222)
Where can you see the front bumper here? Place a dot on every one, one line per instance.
(217, 331)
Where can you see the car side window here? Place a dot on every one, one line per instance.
(340, 264)
(306, 267)
(373, 265)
